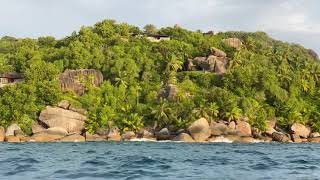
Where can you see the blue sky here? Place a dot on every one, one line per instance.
(290, 20)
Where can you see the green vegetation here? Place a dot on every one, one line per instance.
(266, 78)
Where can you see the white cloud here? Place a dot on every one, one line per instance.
(33, 18)
(290, 16)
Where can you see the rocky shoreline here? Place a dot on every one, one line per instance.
(65, 123)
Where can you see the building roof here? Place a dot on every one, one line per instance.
(11, 75)
(151, 35)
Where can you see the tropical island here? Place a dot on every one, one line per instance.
(114, 81)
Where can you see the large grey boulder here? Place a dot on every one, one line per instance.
(295, 138)
(163, 134)
(220, 66)
(65, 104)
(315, 135)
(113, 134)
(300, 130)
(146, 134)
(75, 80)
(183, 137)
(49, 135)
(218, 129)
(200, 130)
(217, 52)
(270, 128)
(280, 137)
(244, 128)
(204, 63)
(128, 135)
(11, 129)
(233, 42)
(212, 63)
(36, 128)
(72, 121)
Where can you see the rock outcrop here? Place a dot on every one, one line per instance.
(36, 128)
(295, 138)
(163, 134)
(73, 138)
(232, 125)
(10, 130)
(72, 121)
(2, 134)
(128, 135)
(314, 140)
(216, 62)
(244, 139)
(49, 135)
(12, 139)
(244, 128)
(93, 137)
(113, 134)
(314, 135)
(300, 130)
(183, 137)
(75, 80)
(218, 129)
(200, 130)
(280, 137)
(270, 128)
(145, 134)
(169, 92)
(64, 104)
(233, 42)
(217, 52)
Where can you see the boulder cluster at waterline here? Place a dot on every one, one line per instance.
(65, 123)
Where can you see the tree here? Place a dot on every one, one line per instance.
(150, 29)
(161, 113)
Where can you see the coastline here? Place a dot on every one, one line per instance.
(64, 123)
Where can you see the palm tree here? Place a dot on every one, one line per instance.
(138, 88)
(234, 114)
(120, 80)
(171, 69)
(213, 110)
(162, 112)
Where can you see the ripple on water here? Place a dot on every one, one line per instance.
(91, 152)
(20, 160)
(13, 149)
(249, 152)
(20, 169)
(61, 171)
(299, 161)
(159, 161)
(95, 162)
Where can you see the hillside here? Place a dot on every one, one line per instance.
(166, 83)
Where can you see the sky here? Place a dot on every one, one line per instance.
(296, 21)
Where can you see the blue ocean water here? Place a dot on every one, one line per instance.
(150, 160)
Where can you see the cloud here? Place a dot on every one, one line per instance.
(291, 20)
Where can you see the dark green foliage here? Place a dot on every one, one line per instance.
(266, 78)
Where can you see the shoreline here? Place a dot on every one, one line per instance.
(64, 124)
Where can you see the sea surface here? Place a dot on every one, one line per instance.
(154, 160)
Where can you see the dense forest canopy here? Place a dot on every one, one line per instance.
(266, 78)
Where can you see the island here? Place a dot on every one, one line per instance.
(116, 82)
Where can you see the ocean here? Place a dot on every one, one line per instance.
(159, 160)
